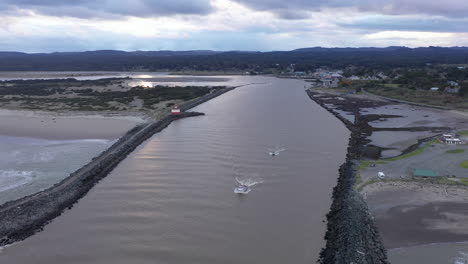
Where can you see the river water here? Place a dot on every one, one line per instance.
(172, 200)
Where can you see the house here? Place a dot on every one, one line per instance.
(381, 75)
(336, 76)
(451, 139)
(354, 78)
(329, 83)
(435, 89)
(453, 90)
(452, 83)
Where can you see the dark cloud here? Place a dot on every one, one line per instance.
(394, 23)
(447, 8)
(110, 8)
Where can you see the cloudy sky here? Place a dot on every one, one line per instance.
(265, 25)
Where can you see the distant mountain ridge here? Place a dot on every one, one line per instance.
(209, 60)
(120, 53)
(390, 48)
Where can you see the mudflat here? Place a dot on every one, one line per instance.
(412, 213)
(52, 126)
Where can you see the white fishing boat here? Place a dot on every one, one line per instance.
(242, 189)
(275, 152)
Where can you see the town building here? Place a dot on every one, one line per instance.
(451, 139)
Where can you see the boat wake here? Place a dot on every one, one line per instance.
(249, 182)
(276, 151)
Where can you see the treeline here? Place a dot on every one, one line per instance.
(304, 60)
(150, 96)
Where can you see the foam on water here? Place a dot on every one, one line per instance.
(462, 258)
(11, 179)
(28, 165)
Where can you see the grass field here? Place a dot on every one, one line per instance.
(455, 151)
(464, 164)
(420, 96)
(415, 152)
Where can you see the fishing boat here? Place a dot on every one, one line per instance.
(242, 189)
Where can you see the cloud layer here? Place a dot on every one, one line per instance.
(74, 25)
(109, 8)
(287, 9)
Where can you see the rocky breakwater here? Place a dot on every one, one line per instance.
(351, 236)
(22, 218)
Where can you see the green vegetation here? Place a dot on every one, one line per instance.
(50, 87)
(463, 133)
(151, 96)
(366, 163)
(434, 98)
(360, 187)
(363, 165)
(415, 152)
(464, 164)
(361, 61)
(455, 151)
(89, 95)
(359, 180)
(437, 180)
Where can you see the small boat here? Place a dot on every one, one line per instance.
(242, 189)
(275, 152)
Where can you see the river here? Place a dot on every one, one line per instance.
(172, 200)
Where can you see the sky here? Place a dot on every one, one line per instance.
(261, 25)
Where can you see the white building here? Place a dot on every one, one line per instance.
(451, 139)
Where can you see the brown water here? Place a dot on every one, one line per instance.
(172, 200)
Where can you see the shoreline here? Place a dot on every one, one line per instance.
(24, 217)
(428, 211)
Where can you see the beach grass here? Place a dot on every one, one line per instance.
(455, 151)
(359, 179)
(452, 181)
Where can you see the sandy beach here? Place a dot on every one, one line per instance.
(415, 213)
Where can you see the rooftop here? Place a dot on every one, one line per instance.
(424, 173)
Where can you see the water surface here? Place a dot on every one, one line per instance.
(172, 200)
